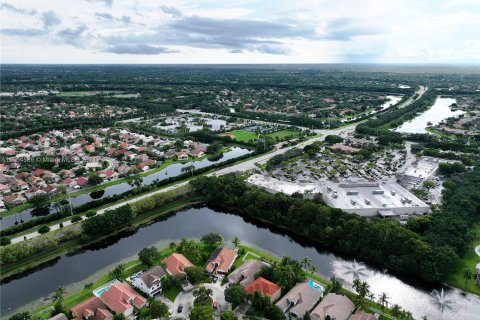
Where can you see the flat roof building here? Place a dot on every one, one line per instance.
(365, 198)
(274, 185)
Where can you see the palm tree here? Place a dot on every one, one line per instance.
(467, 275)
(306, 262)
(364, 289)
(335, 284)
(58, 295)
(396, 310)
(371, 296)
(236, 241)
(356, 285)
(383, 300)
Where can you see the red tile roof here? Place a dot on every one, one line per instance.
(222, 260)
(91, 307)
(263, 286)
(121, 297)
(176, 263)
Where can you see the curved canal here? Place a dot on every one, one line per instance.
(195, 222)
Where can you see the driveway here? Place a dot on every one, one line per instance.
(186, 299)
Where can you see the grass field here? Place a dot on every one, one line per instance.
(469, 261)
(242, 135)
(283, 134)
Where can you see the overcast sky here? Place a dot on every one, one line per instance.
(240, 31)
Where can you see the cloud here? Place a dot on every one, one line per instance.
(23, 32)
(108, 16)
(74, 36)
(344, 29)
(8, 6)
(104, 15)
(108, 3)
(50, 18)
(171, 10)
(137, 49)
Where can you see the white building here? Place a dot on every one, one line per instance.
(150, 282)
(372, 198)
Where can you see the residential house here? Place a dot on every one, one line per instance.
(51, 189)
(299, 300)
(222, 259)
(121, 298)
(176, 264)
(246, 272)
(123, 170)
(36, 182)
(4, 188)
(150, 282)
(362, 315)
(81, 181)
(33, 192)
(142, 166)
(265, 287)
(60, 316)
(91, 309)
(19, 185)
(333, 306)
(182, 155)
(14, 199)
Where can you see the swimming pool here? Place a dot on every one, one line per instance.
(100, 290)
(316, 286)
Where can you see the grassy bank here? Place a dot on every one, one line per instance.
(76, 244)
(469, 262)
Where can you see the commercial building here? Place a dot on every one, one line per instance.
(274, 185)
(365, 198)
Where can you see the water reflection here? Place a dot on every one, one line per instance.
(442, 300)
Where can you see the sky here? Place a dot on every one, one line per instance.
(235, 31)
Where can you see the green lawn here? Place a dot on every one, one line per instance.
(242, 135)
(469, 261)
(172, 293)
(282, 134)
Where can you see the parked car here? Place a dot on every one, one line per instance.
(180, 308)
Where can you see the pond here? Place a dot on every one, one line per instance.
(171, 171)
(195, 222)
(433, 116)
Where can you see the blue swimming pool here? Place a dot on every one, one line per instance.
(100, 291)
(316, 286)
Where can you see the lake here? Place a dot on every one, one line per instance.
(197, 221)
(438, 112)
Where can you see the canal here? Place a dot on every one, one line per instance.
(195, 222)
(171, 171)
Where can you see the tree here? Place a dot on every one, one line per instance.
(195, 274)
(94, 179)
(188, 169)
(236, 241)
(467, 275)
(62, 189)
(396, 310)
(228, 315)
(202, 295)
(212, 239)
(40, 200)
(383, 300)
(306, 316)
(158, 309)
(44, 229)
(148, 255)
(58, 294)
(332, 139)
(235, 294)
(306, 263)
(21, 316)
(119, 316)
(117, 273)
(273, 312)
(202, 312)
(214, 147)
(260, 301)
(335, 285)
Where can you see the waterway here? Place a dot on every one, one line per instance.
(195, 222)
(433, 116)
(171, 171)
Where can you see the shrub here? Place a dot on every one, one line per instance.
(44, 229)
(76, 218)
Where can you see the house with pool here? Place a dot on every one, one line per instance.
(300, 299)
(150, 281)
